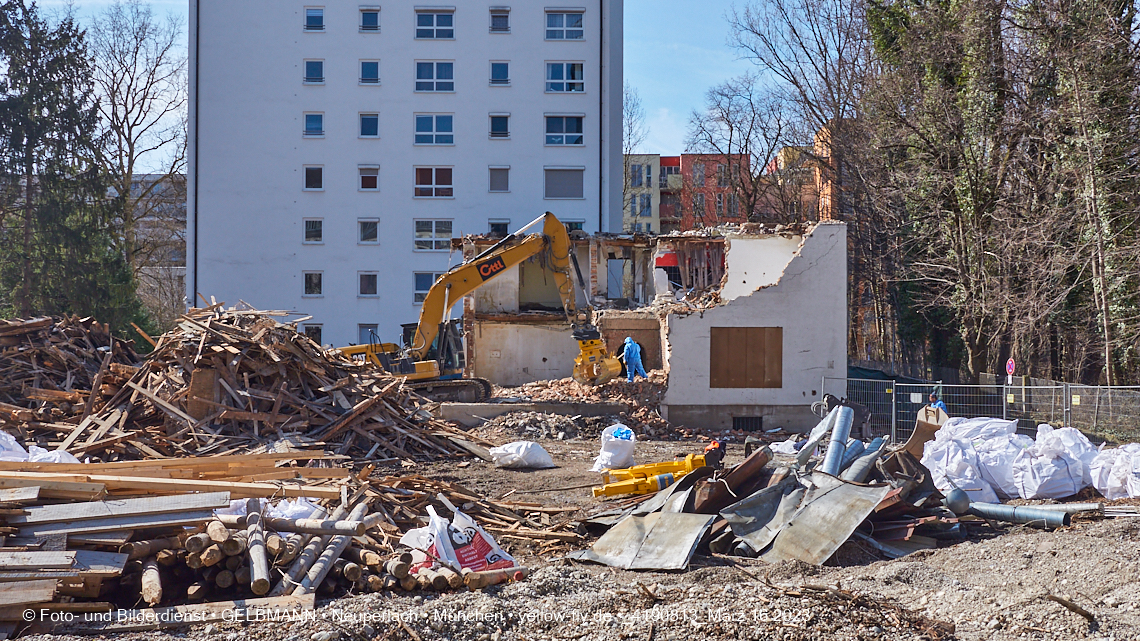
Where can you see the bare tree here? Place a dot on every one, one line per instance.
(747, 125)
(633, 134)
(140, 75)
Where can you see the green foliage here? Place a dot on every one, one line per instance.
(58, 252)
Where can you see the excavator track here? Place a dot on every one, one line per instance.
(465, 390)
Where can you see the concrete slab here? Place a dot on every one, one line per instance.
(468, 414)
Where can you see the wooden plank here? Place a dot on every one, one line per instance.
(111, 539)
(10, 561)
(135, 522)
(19, 495)
(27, 592)
(121, 507)
(203, 387)
(161, 404)
(147, 485)
(52, 489)
(100, 565)
(21, 576)
(153, 619)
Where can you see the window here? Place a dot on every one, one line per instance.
(433, 234)
(648, 175)
(369, 231)
(635, 176)
(564, 183)
(314, 125)
(500, 20)
(722, 176)
(368, 333)
(733, 205)
(367, 283)
(369, 177)
(424, 281)
(749, 357)
(434, 182)
(564, 26)
(500, 74)
(314, 71)
(314, 19)
(314, 230)
(720, 204)
(314, 333)
(646, 208)
(435, 76)
(312, 283)
(574, 225)
(663, 176)
(434, 130)
(369, 125)
(499, 227)
(699, 175)
(564, 130)
(314, 178)
(439, 25)
(369, 72)
(500, 179)
(699, 206)
(500, 126)
(564, 77)
(369, 19)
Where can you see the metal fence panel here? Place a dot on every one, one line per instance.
(877, 395)
(1111, 413)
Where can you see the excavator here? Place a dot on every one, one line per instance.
(433, 358)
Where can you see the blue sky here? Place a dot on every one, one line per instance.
(674, 51)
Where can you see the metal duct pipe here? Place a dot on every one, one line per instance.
(1073, 508)
(855, 449)
(816, 435)
(838, 445)
(1032, 516)
(857, 472)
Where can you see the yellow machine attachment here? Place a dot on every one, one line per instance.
(648, 478)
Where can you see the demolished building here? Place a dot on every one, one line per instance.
(745, 320)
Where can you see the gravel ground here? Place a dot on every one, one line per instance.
(991, 586)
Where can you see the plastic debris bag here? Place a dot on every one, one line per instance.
(462, 543)
(954, 463)
(298, 508)
(1116, 472)
(40, 455)
(1040, 475)
(617, 449)
(784, 447)
(1069, 441)
(521, 455)
(995, 461)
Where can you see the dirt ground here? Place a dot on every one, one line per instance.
(991, 586)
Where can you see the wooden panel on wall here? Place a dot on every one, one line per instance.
(746, 357)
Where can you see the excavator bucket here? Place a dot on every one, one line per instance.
(594, 366)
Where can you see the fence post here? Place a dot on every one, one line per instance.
(894, 412)
(1068, 406)
(1004, 402)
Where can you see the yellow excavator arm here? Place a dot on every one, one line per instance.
(593, 365)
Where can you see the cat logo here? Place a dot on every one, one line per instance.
(492, 267)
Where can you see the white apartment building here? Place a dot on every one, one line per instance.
(336, 148)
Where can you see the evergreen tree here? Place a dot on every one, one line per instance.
(58, 253)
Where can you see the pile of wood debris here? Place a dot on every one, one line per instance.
(48, 367)
(229, 381)
(68, 549)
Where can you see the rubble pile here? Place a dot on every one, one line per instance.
(49, 366)
(532, 425)
(229, 381)
(642, 397)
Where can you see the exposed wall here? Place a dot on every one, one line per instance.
(643, 327)
(517, 353)
(808, 300)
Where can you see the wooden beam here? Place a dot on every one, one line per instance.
(121, 507)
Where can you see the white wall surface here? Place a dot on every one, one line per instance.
(247, 151)
(517, 353)
(809, 302)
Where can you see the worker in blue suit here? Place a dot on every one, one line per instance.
(631, 354)
(936, 403)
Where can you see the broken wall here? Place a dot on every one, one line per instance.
(793, 283)
(643, 327)
(514, 353)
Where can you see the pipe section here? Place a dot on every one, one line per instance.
(1024, 515)
(838, 445)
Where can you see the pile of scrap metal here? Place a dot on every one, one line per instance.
(804, 510)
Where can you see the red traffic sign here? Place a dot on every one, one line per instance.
(1009, 366)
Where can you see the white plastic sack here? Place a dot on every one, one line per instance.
(1038, 475)
(1067, 441)
(617, 449)
(1116, 472)
(40, 455)
(784, 447)
(298, 508)
(461, 544)
(521, 455)
(955, 463)
(10, 448)
(995, 461)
